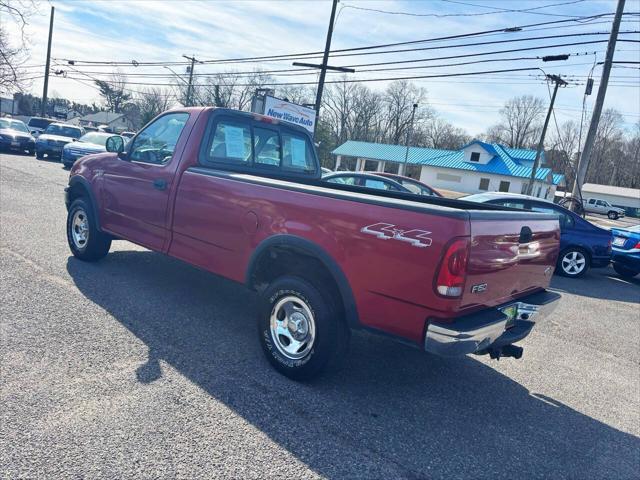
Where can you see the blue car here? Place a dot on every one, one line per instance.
(92, 142)
(582, 244)
(626, 251)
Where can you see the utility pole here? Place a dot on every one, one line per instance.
(583, 163)
(190, 84)
(409, 131)
(323, 67)
(558, 81)
(43, 108)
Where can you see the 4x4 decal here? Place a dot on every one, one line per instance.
(389, 231)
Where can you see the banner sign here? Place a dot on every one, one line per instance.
(290, 112)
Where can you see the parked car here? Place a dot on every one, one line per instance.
(326, 171)
(199, 184)
(37, 125)
(626, 251)
(54, 138)
(367, 180)
(14, 135)
(582, 244)
(92, 142)
(596, 205)
(127, 135)
(415, 186)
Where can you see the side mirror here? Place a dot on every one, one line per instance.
(115, 144)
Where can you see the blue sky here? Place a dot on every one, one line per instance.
(149, 30)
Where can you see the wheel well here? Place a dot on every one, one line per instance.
(76, 191)
(278, 260)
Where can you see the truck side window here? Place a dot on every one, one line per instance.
(156, 143)
(591, 201)
(231, 143)
(296, 154)
(267, 147)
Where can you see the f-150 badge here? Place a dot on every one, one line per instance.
(388, 231)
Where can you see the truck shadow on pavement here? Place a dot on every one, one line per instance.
(392, 412)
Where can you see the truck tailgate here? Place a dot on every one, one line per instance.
(511, 254)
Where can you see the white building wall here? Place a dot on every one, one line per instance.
(469, 181)
(484, 156)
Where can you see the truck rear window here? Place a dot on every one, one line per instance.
(240, 143)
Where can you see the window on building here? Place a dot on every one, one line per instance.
(484, 184)
(475, 156)
(525, 187)
(504, 186)
(448, 177)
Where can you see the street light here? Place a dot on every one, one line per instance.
(409, 130)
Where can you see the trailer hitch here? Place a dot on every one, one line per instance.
(505, 351)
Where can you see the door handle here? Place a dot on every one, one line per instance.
(159, 184)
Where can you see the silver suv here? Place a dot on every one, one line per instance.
(595, 205)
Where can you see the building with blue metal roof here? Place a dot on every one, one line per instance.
(476, 167)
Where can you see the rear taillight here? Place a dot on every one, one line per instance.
(452, 272)
(636, 246)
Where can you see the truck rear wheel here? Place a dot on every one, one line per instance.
(85, 240)
(301, 331)
(613, 215)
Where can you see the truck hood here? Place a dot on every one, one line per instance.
(84, 148)
(17, 134)
(56, 138)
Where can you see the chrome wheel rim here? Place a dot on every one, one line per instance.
(293, 327)
(573, 263)
(80, 229)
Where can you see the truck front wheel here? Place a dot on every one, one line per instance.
(301, 331)
(85, 240)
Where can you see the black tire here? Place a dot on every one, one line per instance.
(579, 255)
(329, 345)
(39, 155)
(96, 244)
(613, 215)
(624, 271)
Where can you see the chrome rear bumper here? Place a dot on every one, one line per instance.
(492, 328)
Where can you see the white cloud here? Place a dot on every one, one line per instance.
(165, 30)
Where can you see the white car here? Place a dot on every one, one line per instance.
(595, 205)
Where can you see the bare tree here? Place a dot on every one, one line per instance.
(152, 102)
(398, 100)
(519, 126)
(606, 156)
(438, 133)
(14, 52)
(299, 94)
(113, 91)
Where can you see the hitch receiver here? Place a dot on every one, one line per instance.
(505, 351)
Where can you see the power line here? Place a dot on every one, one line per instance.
(305, 71)
(524, 10)
(337, 51)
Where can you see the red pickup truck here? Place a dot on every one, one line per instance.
(241, 195)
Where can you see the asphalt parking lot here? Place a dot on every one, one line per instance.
(143, 366)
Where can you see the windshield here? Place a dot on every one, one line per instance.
(13, 125)
(63, 131)
(95, 138)
(39, 122)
